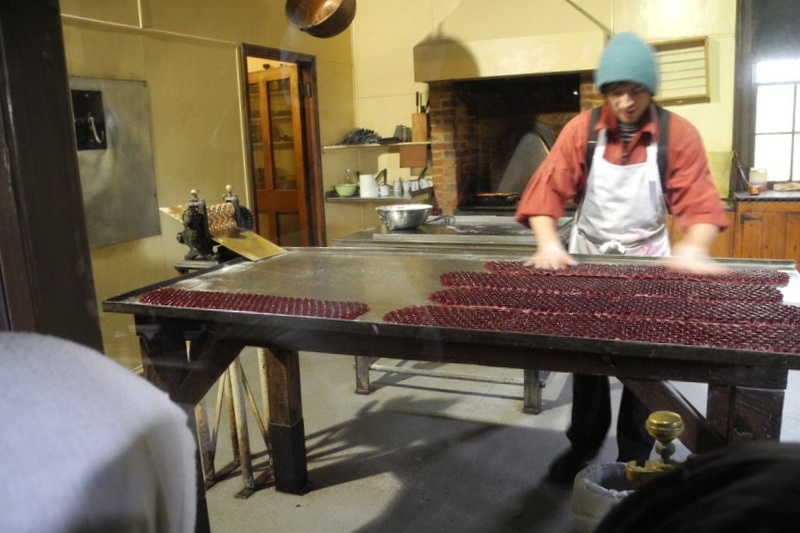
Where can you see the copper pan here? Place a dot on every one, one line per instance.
(321, 18)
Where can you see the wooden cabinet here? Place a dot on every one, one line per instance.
(724, 245)
(768, 230)
(760, 229)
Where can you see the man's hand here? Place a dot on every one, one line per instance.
(550, 253)
(552, 257)
(694, 260)
(691, 253)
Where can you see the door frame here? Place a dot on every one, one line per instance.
(307, 78)
(46, 281)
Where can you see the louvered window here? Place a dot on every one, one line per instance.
(683, 68)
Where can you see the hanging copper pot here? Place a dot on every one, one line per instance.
(321, 18)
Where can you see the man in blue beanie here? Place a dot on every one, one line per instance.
(622, 203)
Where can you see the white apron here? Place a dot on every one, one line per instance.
(623, 209)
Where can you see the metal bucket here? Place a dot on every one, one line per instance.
(597, 489)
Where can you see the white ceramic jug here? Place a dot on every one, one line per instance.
(368, 186)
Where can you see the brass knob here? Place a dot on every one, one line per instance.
(664, 426)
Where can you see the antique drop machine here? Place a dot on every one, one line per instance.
(218, 233)
(198, 220)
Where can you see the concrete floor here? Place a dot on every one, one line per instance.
(422, 454)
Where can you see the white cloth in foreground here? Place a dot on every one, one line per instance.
(87, 445)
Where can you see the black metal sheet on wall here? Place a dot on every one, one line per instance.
(118, 181)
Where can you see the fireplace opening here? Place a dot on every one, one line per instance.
(490, 135)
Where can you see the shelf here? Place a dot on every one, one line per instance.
(373, 146)
(332, 197)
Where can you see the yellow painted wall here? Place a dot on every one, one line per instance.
(186, 52)
(657, 20)
(386, 31)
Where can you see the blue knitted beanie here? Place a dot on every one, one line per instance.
(627, 57)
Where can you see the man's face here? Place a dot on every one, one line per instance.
(628, 100)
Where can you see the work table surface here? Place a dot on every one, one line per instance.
(390, 279)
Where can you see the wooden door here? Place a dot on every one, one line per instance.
(768, 230)
(278, 159)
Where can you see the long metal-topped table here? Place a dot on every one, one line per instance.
(746, 388)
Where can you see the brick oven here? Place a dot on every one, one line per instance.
(494, 68)
(475, 124)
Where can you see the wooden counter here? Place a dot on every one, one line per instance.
(768, 228)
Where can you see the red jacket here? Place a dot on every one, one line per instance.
(690, 192)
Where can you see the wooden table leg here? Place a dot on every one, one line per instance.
(186, 379)
(286, 429)
(699, 434)
(746, 414)
(733, 413)
(242, 440)
(202, 521)
(205, 444)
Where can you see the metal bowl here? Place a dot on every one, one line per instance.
(403, 216)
